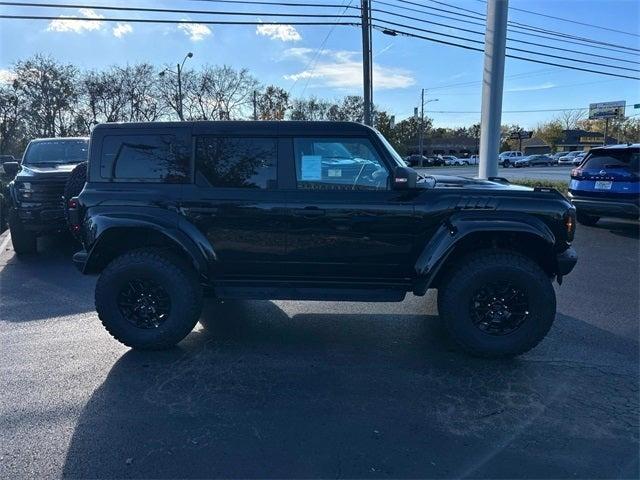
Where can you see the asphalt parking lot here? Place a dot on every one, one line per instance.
(319, 389)
(560, 173)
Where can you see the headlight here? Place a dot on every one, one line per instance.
(24, 190)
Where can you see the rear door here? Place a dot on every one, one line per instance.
(345, 219)
(609, 172)
(235, 201)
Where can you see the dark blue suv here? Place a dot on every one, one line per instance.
(607, 184)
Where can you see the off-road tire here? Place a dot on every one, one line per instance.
(24, 242)
(73, 187)
(475, 270)
(175, 276)
(585, 219)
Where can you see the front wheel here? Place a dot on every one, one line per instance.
(497, 304)
(148, 299)
(506, 164)
(24, 242)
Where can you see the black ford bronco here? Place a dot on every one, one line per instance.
(47, 172)
(174, 212)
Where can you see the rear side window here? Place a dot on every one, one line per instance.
(236, 162)
(608, 159)
(144, 158)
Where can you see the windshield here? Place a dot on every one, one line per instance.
(56, 152)
(396, 157)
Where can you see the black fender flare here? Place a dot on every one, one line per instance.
(192, 243)
(459, 226)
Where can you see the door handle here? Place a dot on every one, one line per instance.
(309, 212)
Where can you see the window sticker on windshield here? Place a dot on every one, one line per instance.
(311, 167)
(334, 172)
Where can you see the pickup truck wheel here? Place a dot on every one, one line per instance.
(497, 304)
(585, 219)
(24, 242)
(148, 299)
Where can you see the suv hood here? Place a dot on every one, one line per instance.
(36, 172)
(454, 181)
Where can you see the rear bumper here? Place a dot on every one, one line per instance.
(620, 208)
(566, 261)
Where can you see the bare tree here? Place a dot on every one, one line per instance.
(11, 122)
(570, 119)
(231, 90)
(312, 110)
(272, 103)
(48, 91)
(141, 93)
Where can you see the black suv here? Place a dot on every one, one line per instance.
(36, 205)
(172, 212)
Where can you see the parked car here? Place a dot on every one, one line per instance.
(506, 159)
(4, 159)
(473, 160)
(567, 158)
(607, 183)
(417, 161)
(534, 160)
(452, 160)
(577, 160)
(556, 156)
(172, 212)
(36, 205)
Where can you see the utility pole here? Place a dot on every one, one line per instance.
(367, 80)
(255, 105)
(422, 123)
(606, 131)
(495, 42)
(180, 111)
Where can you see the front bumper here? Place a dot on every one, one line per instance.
(566, 261)
(609, 207)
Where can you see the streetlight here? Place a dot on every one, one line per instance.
(422, 103)
(179, 73)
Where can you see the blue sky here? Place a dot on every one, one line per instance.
(325, 61)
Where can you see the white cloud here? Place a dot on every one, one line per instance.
(286, 33)
(121, 29)
(6, 76)
(195, 31)
(343, 69)
(532, 88)
(77, 26)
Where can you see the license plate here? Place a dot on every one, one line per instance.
(603, 185)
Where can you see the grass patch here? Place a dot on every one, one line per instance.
(560, 185)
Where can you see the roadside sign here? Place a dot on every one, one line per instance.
(521, 135)
(637, 105)
(607, 110)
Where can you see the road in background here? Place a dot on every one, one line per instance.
(319, 389)
(560, 173)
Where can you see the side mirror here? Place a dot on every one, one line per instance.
(404, 178)
(11, 168)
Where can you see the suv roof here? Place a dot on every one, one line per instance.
(58, 139)
(275, 127)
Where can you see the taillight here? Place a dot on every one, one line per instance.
(570, 224)
(72, 203)
(576, 173)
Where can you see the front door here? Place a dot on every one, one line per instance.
(236, 204)
(346, 222)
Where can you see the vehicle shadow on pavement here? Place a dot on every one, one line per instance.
(628, 229)
(44, 285)
(259, 393)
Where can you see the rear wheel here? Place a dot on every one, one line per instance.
(497, 304)
(148, 299)
(506, 164)
(585, 219)
(24, 242)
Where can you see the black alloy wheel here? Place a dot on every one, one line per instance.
(499, 308)
(144, 303)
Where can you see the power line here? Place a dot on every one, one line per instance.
(172, 10)
(318, 52)
(283, 4)
(517, 57)
(575, 22)
(479, 42)
(475, 32)
(188, 22)
(553, 34)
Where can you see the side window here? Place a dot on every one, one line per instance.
(236, 162)
(339, 164)
(144, 158)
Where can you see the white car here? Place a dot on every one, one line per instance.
(506, 159)
(569, 157)
(453, 160)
